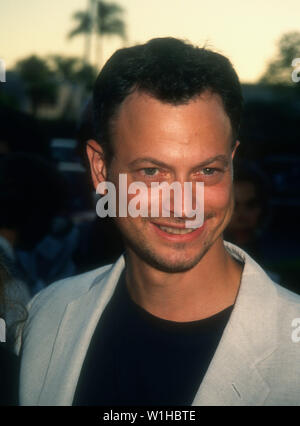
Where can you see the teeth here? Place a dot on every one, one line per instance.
(176, 230)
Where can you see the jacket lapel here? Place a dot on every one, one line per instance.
(233, 377)
(73, 338)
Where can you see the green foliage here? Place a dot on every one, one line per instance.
(43, 78)
(64, 67)
(103, 18)
(109, 21)
(84, 24)
(86, 76)
(39, 81)
(279, 69)
(73, 70)
(9, 101)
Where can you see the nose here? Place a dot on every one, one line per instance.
(186, 202)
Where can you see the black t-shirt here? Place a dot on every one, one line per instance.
(135, 358)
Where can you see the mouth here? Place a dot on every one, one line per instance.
(176, 232)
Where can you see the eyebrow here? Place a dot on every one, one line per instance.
(221, 158)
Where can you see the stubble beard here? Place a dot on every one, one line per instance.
(143, 250)
(149, 255)
(161, 263)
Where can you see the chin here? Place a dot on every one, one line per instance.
(168, 260)
(169, 266)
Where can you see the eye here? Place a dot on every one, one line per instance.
(209, 171)
(210, 175)
(150, 171)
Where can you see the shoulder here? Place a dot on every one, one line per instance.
(281, 366)
(288, 319)
(46, 308)
(262, 298)
(288, 300)
(257, 278)
(64, 291)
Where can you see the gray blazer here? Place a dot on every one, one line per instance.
(256, 363)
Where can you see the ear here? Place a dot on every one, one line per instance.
(237, 143)
(96, 159)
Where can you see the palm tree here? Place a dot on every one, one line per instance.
(84, 26)
(72, 70)
(65, 67)
(103, 18)
(39, 81)
(77, 77)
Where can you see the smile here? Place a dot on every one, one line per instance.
(176, 232)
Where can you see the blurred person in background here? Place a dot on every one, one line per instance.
(12, 315)
(35, 232)
(248, 226)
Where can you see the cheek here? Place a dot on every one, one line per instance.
(218, 197)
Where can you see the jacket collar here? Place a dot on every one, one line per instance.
(232, 377)
(73, 338)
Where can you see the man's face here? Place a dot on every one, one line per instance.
(155, 142)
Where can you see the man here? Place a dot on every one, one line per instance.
(182, 318)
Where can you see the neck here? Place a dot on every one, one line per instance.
(206, 289)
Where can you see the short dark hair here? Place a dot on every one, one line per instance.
(171, 70)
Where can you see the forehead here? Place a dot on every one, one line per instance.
(144, 125)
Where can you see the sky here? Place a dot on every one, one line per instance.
(244, 30)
